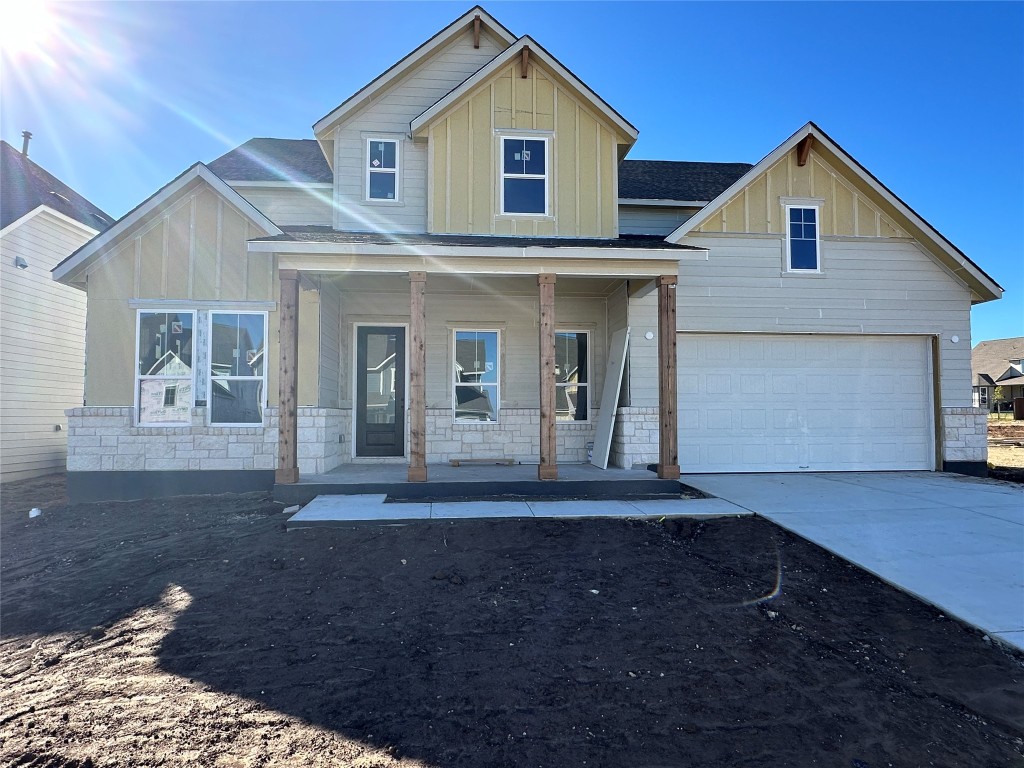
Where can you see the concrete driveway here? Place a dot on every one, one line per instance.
(956, 542)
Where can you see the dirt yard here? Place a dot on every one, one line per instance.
(198, 632)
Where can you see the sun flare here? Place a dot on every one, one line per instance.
(27, 28)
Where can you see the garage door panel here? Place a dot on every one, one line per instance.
(808, 403)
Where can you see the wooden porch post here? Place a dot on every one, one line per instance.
(417, 378)
(548, 469)
(668, 432)
(288, 379)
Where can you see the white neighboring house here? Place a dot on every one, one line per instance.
(42, 322)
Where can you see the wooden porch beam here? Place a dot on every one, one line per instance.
(803, 150)
(548, 468)
(417, 377)
(288, 379)
(668, 429)
(524, 62)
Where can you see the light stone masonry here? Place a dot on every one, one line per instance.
(965, 434)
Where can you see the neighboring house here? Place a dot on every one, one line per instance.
(997, 363)
(42, 323)
(447, 268)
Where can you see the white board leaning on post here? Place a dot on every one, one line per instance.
(610, 397)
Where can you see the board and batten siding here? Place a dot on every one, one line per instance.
(465, 168)
(866, 286)
(193, 250)
(291, 206)
(652, 220)
(388, 117)
(42, 345)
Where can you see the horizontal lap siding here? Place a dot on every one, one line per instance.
(42, 347)
(651, 220)
(292, 207)
(866, 287)
(391, 113)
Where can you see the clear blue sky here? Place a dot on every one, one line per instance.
(928, 96)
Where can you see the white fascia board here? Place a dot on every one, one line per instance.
(476, 252)
(86, 229)
(810, 129)
(411, 60)
(665, 203)
(279, 184)
(72, 268)
(705, 213)
(502, 59)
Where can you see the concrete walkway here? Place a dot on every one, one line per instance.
(953, 541)
(328, 510)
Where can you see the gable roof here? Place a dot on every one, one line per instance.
(25, 186)
(626, 129)
(71, 270)
(981, 284)
(991, 358)
(298, 161)
(404, 65)
(676, 179)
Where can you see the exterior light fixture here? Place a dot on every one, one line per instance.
(20, 263)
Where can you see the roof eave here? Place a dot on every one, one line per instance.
(325, 124)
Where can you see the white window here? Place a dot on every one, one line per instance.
(476, 376)
(802, 242)
(381, 169)
(524, 175)
(982, 396)
(572, 375)
(237, 367)
(164, 373)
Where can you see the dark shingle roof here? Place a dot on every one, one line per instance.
(321, 234)
(302, 160)
(24, 186)
(677, 179)
(992, 358)
(299, 160)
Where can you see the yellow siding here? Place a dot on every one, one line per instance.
(194, 249)
(465, 177)
(847, 211)
(309, 350)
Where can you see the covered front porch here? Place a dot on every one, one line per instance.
(396, 377)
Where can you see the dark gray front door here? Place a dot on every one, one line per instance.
(380, 391)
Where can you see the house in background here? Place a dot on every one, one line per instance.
(42, 323)
(457, 259)
(998, 363)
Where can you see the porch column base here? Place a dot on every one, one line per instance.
(547, 472)
(287, 475)
(417, 474)
(669, 472)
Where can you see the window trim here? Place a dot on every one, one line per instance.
(367, 170)
(502, 175)
(209, 369)
(816, 206)
(590, 403)
(496, 386)
(139, 377)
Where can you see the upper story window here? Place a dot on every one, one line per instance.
(524, 175)
(571, 376)
(163, 390)
(381, 169)
(802, 242)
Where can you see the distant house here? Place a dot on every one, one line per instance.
(42, 322)
(461, 254)
(997, 363)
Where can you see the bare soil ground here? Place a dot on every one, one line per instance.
(198, 632)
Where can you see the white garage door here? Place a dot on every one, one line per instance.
(751, 403)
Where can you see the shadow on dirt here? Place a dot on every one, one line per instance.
(523, 642)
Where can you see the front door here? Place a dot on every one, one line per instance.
(380, 391)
